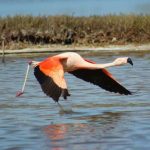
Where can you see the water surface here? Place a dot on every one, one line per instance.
(98, 120)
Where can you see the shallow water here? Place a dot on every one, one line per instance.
(97, 119)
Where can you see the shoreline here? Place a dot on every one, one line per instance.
(129, 48)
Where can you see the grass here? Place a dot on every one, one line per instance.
(22, 31)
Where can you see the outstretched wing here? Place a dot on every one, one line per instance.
(50, 75)
(102, 78)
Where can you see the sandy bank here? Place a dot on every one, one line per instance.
(59, 48)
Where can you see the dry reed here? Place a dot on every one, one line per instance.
(22, 31)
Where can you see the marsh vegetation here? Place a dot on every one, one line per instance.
(24, 31)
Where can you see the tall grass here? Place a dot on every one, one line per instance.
(93, 30)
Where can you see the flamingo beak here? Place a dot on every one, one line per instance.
(129, 61)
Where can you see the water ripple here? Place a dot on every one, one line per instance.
(93, 118)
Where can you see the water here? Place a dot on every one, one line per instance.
(73, 7)
(98, 120)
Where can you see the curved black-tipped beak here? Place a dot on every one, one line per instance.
(129, 61)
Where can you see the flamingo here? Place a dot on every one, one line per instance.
(50, 74)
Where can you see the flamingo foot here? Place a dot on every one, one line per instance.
(19, 93)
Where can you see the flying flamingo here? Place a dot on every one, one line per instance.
(50, 74)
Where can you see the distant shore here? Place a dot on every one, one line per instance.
(21, 33)
(130, 48)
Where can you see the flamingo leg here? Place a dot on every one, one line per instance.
(25, 79)
(64, 110)
(24, 83)
(61, 107)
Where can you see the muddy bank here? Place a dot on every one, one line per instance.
(59, 48)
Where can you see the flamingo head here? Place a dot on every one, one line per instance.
(122, 60)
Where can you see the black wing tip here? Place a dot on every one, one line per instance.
(120, 92)
(130, 93)
(126, 93)
(103, 81)
(49, 87)
(65, 93)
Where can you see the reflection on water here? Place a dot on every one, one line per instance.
(97, 126)
(96, 119)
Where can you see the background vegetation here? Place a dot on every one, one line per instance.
(24, 31)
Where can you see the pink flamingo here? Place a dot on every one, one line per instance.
(50, 74)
